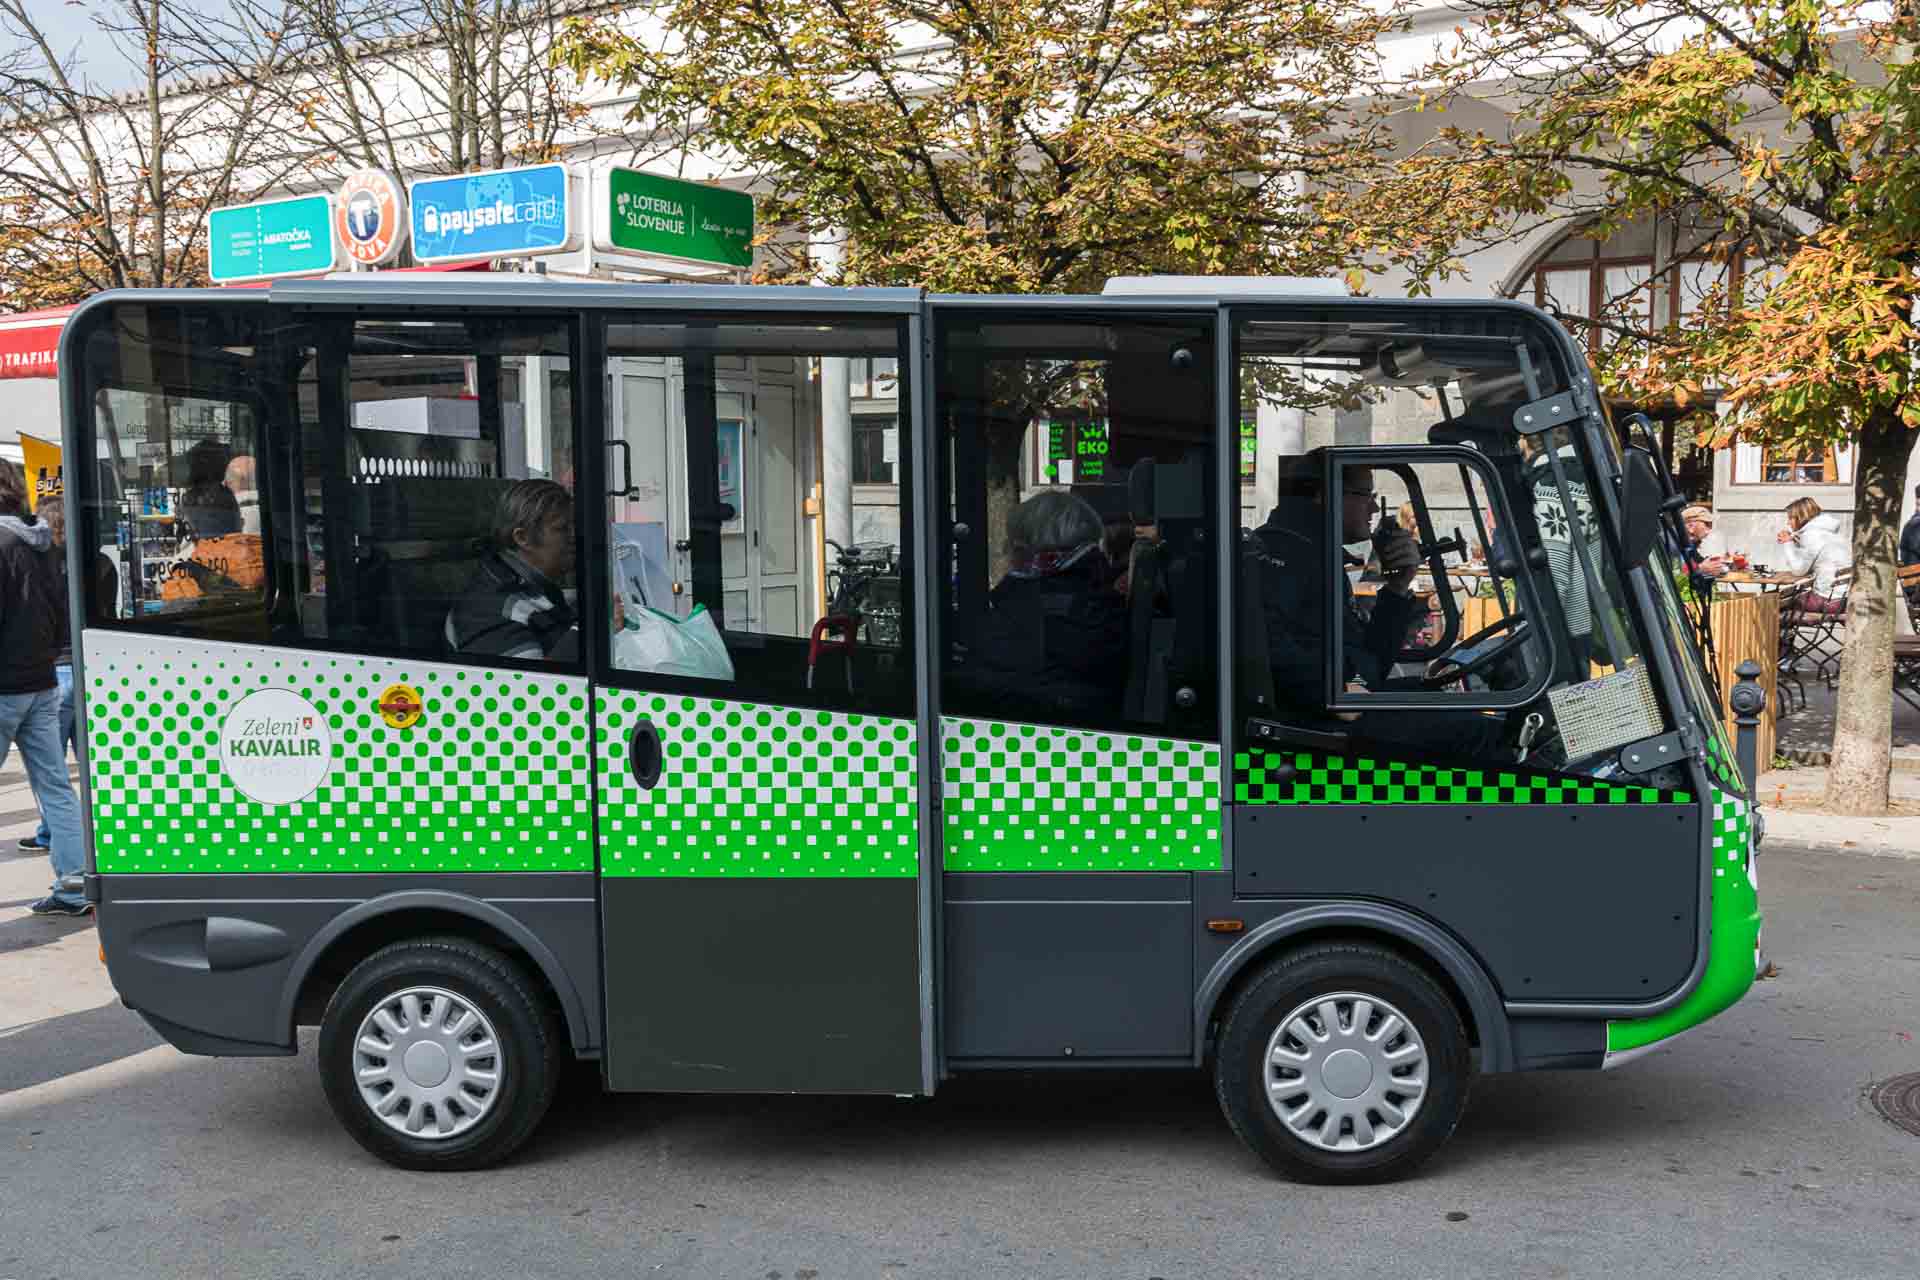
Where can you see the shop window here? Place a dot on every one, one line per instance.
(876, 448)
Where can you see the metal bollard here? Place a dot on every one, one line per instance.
(1747, 701)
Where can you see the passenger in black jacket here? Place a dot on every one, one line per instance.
(33, 632)
(1054, 639)
(517, 606)
(1297, 569)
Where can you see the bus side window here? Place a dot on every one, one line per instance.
(435, 487)
(1080, 480)
(174, 506)
(758, 511)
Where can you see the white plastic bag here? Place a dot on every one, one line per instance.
(665, 645)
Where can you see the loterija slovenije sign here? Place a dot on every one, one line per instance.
(668, 218)
(506, 213)
(273, 238)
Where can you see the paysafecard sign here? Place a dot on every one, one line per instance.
(507, 213)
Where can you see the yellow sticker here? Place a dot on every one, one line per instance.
(400, 706)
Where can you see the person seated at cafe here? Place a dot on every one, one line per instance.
(1054, 638)
(517, 605)
(1814, 544)
(1706, 556)
(1910, 535)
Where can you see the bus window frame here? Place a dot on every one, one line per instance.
(595, 469)
(1097, 309)
(80, 398)
(346, 315)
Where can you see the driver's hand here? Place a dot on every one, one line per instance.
(1399, 557)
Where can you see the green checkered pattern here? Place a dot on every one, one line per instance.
(492, 778)
(1021, 797)
(1261, 777)
(1720, 759)
(750, 790)
(1733, 954)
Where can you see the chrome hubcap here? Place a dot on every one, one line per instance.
(1346, 1072)
(427, 1063)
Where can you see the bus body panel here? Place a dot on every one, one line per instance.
(254, 809)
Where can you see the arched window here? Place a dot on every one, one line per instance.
(1653, 272)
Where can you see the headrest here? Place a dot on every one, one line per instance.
(1159, 491)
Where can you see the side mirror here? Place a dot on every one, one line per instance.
(1643, 503)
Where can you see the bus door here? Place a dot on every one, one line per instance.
(758, 762)
(1479, 730)
(1080, 767)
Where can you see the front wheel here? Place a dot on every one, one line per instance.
(1342, 1063)
(438, 1054)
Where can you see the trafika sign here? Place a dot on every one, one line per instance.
(275, 746)
(371, 216)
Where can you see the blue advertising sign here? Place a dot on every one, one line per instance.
(275, 238)
(508, 213)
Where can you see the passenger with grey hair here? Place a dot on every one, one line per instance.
(517, 605)
(1054, 638)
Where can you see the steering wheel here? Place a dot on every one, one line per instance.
(1443, 671)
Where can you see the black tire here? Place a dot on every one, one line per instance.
(527, 1029)
(1327, 969)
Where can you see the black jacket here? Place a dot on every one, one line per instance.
(1054, 644)
(510, 610)
(1296, 571)
(33, 607)
(1910, 541)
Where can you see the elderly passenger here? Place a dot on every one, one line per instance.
(1054, 638)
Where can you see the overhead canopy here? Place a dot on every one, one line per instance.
(30, 341)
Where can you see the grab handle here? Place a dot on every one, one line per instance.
(644, 754)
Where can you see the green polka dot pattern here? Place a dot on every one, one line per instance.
(1720, 759)
(1021, 797)
(750, 790)
(492, 778)
(1305, 777)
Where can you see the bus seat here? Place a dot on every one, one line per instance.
(1149, 637)
(431, 533)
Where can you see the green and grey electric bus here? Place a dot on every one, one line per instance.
(836, 691)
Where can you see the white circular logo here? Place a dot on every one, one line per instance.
(275, 746)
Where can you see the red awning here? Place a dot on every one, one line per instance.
(29, 342)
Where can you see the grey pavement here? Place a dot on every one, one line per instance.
(1747, 1149)
(1806, 733)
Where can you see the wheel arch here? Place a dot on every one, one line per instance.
(363, 929)
(1458, 971)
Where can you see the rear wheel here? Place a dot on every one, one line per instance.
(439, 1054)
(1342, 1063)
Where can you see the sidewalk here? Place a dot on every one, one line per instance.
(1790, 799)
(1806, 737)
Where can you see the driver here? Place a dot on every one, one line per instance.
(1291, 557)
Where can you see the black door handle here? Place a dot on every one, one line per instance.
(626, 468)
(644, 754)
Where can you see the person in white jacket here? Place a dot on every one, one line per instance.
(1814, 544)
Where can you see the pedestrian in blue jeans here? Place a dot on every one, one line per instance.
(33, 634)
(53, 514)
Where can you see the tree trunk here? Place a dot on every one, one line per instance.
(1857, 780)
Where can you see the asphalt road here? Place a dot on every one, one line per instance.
(1747, 1149)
